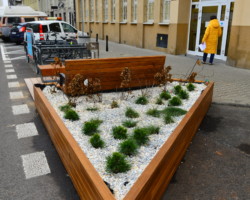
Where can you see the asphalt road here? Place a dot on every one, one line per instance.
(215, 167)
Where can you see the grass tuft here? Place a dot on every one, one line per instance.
(96, 141)
(91, 127)
(131, 113)
(116, 163)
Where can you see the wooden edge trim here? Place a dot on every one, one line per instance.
(98, 186)
(146, 184)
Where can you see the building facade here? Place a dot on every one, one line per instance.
(59, 8)
(170, 26)
(32, 3)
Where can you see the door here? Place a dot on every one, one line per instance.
(200, 17)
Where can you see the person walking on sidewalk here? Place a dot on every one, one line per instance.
(212, 33)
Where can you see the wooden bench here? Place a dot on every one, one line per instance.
(108, 70)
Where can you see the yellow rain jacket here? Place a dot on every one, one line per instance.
(212, 33)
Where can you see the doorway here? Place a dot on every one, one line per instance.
(199, 20)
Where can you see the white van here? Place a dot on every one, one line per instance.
(17, 14)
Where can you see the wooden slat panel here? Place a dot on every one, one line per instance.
(86, 180)
(49, 70)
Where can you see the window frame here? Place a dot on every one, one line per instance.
(105, 11)
(149, 11)
(91, 9)
(134, 11)
(124, 11)
(113, 15)
(165, 13)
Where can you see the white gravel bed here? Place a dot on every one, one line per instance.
(115, 117)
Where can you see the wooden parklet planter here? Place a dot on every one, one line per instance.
(152, 183)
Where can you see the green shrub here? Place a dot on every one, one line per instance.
(168, 119)
(175, 101)
(128, 147)
(96, 141)
(116, 163)
(114, 104)
(152, 130)
(159, 101)
(141, 100)
(165, 95)
(129, 123)
(173, 111)
(154, 112)
(141, 136)
(177, 89)
(71, 115)
(131, 113)
(65, 107)
(92, 109)
(183, 94)
(91, 127)
(190, 87)
(119, 132)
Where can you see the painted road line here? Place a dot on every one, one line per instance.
(16, 95)
(9, 70)
(8, 66)
(4, 57)
(15, 52)
(35, 164)
(18, 58)
(13, 84)
(13, 76)
(26, 130)
(20, 109)
(7, 61)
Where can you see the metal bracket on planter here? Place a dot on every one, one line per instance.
(61, 79)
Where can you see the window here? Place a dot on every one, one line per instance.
(113, 11)
(55, 27)
(91, 16)
(165, 9)
(96, 11)
(13, 20)
(29, 19)
(105, 10)
(68, 29)
(150, 11)
(124, 10)
(134, 10)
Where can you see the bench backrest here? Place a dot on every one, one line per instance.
(108, 70)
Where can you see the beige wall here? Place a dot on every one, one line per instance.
(239, 44)
(32, 3)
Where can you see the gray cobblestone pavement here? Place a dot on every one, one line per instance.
(232, 85)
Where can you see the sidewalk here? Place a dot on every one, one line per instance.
(232, 85)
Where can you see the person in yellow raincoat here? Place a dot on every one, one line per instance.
(212, 33)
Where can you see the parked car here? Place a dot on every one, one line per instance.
(48, 30)
(17, 33)
(17, 14)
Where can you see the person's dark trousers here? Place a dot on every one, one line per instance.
(211, 58)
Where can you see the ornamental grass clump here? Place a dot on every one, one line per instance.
(152, 130)
(142, 100)
(154, 112)
(131, 113)
(129, 123)
(71, 115)
(173, 111)
(65, 107)
(117, 163)
(168, 119)
(165, 95)
(119, 132)
(114, 104)
(175, 101)
(141, 136)
(183, 94)
(190, 87)
(159, 101)
(91, 127)
(177, 89)
(92, 109)
(96, 141)
(128, 147)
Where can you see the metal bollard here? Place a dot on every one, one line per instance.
(93, 55)
(107, 45)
